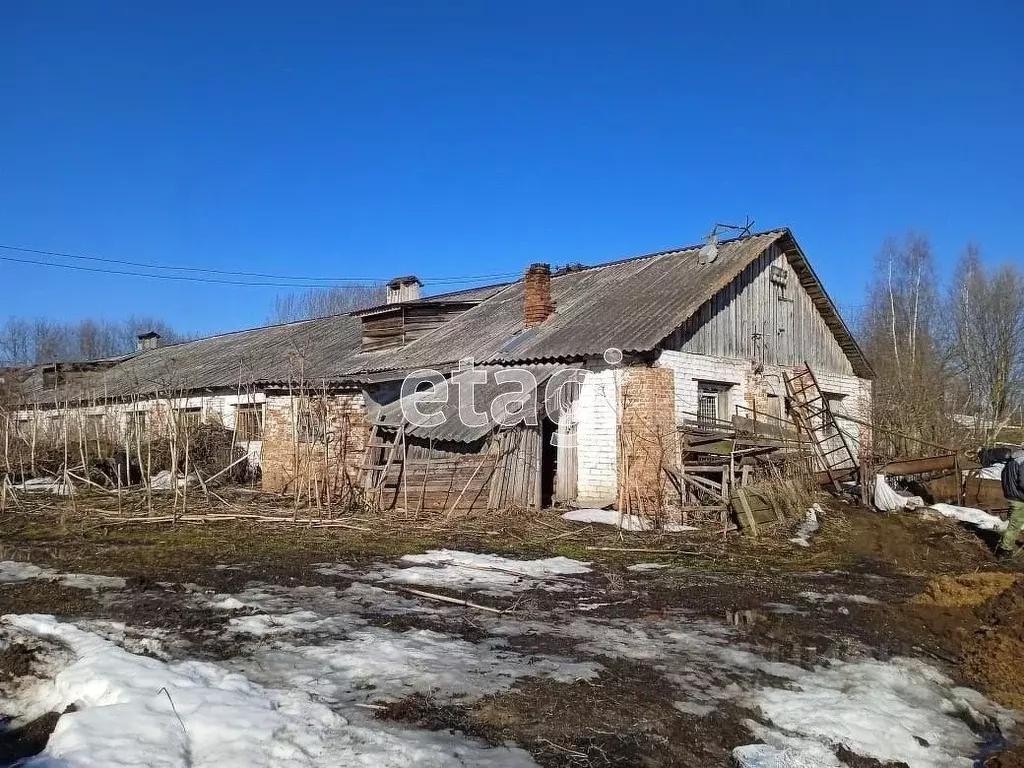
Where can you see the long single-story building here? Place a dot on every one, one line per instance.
(614, 358)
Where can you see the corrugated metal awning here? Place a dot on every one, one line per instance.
(464, 409)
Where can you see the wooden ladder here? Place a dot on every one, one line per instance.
(373, 474)
(814, 420)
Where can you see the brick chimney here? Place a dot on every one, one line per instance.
(404, 289)
(147, 341)
(537, 303)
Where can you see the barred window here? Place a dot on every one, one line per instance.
(712, 403)
(249, 422)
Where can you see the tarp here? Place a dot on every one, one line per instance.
(887, 500)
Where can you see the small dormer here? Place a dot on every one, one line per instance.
(405, 317)
(402, 289)
(146, 341)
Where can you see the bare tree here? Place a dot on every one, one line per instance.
(987, 307)
(321, 302)
(903, 329)
(26, 342)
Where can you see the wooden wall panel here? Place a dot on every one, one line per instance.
(753, 318)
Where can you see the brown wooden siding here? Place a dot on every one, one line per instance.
(498, 472)
(749, 319)
(406, 323)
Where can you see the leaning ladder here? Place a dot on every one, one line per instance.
(814, 420)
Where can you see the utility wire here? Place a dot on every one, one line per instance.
(185, 278)
(287, 281)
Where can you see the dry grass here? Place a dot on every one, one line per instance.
(965, 589)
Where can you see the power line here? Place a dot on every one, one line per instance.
(283, 281)
(189, 278)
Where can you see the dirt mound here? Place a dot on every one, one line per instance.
(994, 660)
(965, 589)
(902, 542)
(1005, 612)
(980, 616)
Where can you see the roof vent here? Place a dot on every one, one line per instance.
(402, 289)
(147, 341)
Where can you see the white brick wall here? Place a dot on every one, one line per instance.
(596, 415)
(689, 368)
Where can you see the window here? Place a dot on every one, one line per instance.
(835, 404)
(707, 407)
(249, 422)
(189, 419)
(712, 403)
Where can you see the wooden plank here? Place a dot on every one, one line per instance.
(920, 466)
(741, 495)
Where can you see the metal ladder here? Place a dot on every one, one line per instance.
(812, 415)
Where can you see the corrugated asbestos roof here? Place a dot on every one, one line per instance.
(452, 426)
(632, 305)
(302, 351)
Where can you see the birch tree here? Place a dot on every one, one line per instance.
(987, 307)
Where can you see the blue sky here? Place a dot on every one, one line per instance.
(470, 138)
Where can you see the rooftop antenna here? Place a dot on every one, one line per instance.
(709, 251)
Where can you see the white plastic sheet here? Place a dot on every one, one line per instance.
(887, 500)
(995, 472)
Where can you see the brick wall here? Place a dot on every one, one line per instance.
(332, 463)
(647, 438)
(755, 386)
(596, 438)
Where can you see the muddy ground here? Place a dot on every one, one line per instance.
(924, 588)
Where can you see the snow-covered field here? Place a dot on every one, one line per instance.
(312, 663)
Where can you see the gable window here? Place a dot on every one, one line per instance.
(249, 422)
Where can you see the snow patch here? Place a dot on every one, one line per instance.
(838, 597)
(625, 521)
(640, 567)
(490, 574)
(808, 527)
(977, 517)
(12, 571)
(897, 711)
(374, 663)
(134, 710)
